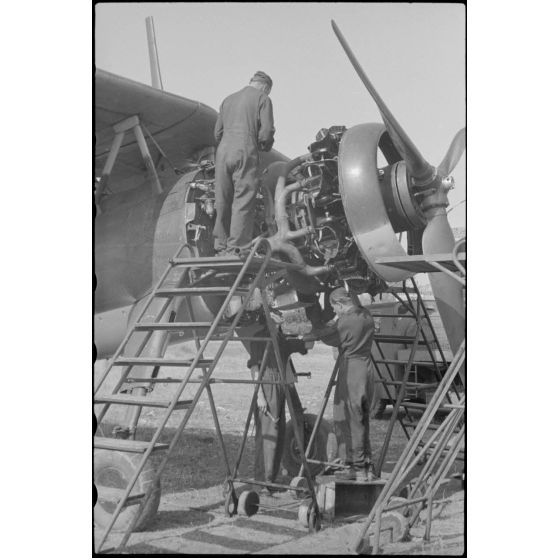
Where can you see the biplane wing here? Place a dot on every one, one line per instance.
(180, 127)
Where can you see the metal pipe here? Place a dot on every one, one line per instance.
(321, 412)
(107, 169)
(156, 80)
(279, 242)
(147, 160)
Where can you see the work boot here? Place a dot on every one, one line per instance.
(363, 474)
(336, 465)
(371, 473)
(349, 474)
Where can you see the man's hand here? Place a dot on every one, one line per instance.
(262, 403)
(265, 145)
(255, 371)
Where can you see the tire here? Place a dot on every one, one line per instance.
(325, 446)
(114, 469)
(248, 503)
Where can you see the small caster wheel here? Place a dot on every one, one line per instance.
(309, 517)
(248, 503)
(393, 528)
(303, 510)
(231, 503)
(363, 546)
(314, 520)
(299, 482)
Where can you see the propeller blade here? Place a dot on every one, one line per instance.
(438, 238)
(419, 168)
(455, 151)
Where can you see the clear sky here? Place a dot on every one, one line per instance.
(414, 54)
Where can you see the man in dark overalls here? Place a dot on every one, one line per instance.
(270, 413)
(244, 127)
(353, 397)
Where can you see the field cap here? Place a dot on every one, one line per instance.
(263, 77)
(340, 295)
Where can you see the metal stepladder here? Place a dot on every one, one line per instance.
(424, 336)
(446, 388)
(252, 270)
(435, 453)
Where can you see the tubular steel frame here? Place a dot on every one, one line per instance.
(204, 382)
(440, 451)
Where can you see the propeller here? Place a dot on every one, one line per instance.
(455, 151)
(437, 237)
(419, 168)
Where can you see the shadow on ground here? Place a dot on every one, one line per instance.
(197, 461)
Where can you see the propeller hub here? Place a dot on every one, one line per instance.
(448, 183)
(438, 196)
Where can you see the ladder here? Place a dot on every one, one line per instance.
(425, 337)
(433, 447)
(248, 274)
(440, 451)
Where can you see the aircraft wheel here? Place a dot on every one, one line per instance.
(324, 447)
(114, 469)
(248, 503)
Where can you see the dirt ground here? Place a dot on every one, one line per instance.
(191, 518)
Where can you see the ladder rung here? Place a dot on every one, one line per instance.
(136, 361)
(402, 290)
(198, 290)
(422, 406)
(169, 326)
(251, 339)
(408, 315)
(429, 451)
(126, 399)
(211, 380)
(403, 362)
(293, 306)
(414, 425)
(397, 339)
(114, 495)
(208, 262)
(414, 385)
(232, 262)
(120, 444)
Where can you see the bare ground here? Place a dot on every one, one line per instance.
(191, 517)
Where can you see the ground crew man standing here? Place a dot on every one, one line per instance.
(353, 397)
(270, 413)
(244, 127)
